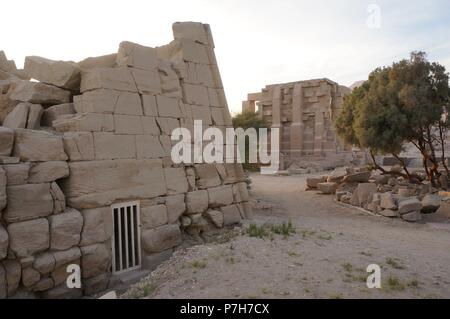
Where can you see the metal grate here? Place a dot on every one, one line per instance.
(126, 244)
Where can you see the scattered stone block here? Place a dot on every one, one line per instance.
(6, 141)
(389, 213)
(388, 201)
(337, 175)
(137, 56)
(327, 188)
(216, 217)
(79, 146)
(119, 79)
(38, 146)
(363, 194)
(39, 93)
(51, 113)
(361, 177)
(412, 216)
(409, 205)
(430, 203)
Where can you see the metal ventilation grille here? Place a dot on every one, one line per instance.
(126, 244)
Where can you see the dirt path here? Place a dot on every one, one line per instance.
(325, 258)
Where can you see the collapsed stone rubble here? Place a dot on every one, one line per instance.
(82, 137)
(384, 195)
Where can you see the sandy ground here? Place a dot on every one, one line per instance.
(326, 257)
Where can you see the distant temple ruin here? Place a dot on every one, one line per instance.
(304, 112)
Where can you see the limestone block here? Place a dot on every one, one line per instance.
(51, 113)
(119, 79)
(150, 126)
(3, 192)
(168, 107)
(6, 141)
(29, 237)
(220, 196)
(234, 173)
(170, 83)
(109, 146)
(97, 226)
(430, 203)
(13, 273)
(108, 101)
(167, 125)
(147, 82)
(216, 217)
(128, 124)
(137, 56)
(207, 176)
(175, 207)
(84, 122)
(202, 113)
(27, 202)
(214, 98)
(240, 192)
(389, 213)
(161, 238)
(153, 216)
(79, 146)
(65, 229)
(197, 202)
(38, 146)
(104, 61)
(149, 105)
(176, 181)
(66, 257)
(363, 194)
(148, 147)
(44, 263)
(17, 118)
(196, 94)
(327, 188)
(58, 73)
(190, 175)
(6, 106)
(217, 116)
(59, 200)
(95, 260)
(231, 215)
(246, 209)
(39, 93)
(388, 202)
(34, 117)
(312, 182)
(190, 30)
(30, 277)
(191, 51)
(337, 175)
(409, 205)
(412, 216)
(4, 242)
(46, 172)
(361, 177)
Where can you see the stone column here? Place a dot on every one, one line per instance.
(297, 122)
(319, 132)
(276, 117)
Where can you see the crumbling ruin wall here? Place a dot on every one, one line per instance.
(92, 134)
(304, 112)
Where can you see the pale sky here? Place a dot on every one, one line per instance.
(257, 42)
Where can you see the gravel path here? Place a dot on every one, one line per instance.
(326, 257)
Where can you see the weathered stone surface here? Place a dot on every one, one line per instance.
(17, 118)
(3, 183)
(79, 146)
(361, 177)
(216, 217)
(176, 180)
(147, 82)
(60, 274)
(153, 216)
(66, 257)
(430, 203)
(170, 82)
(220, 196)
(100, 183)
(207, 176)
(151, 262)
(149, 105)
(4, 242)
(95, 260)
(13, 272)
(61, 292)
(58, 73)
(39, 93)
(106, 101)
(231, 215)
(363, 194)
(97, 226)
(389, 213)
(65, 229)
(44, 284)
(197, 202)
(3, 285)
(190, 30)
(34, 117)
(175, 207)
(137, 56)
(412, 216)
(388, 202)
(148, 147)
(109, 146)
(28, 202)
(38, 146)
(409, 205)
(30, 277)
(167, 125)
(96, 284)
(312, 182)
(128, 124)
(29, 237)
(240, 192)
(59, 199)
(161, 238)
(104, 61)
(196, 95)
(6, 141)
(44, 263)
(337, 175)
(51, 113)
(327, 188)
(168, 107)
(108, 78)
(85, 122)
(46, 172)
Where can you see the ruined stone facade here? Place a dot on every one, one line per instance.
(304, 112)
(93, 135)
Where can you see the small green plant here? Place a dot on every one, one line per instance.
(326, 237)
(257, 231)
(285, 229)
(293, 254)
(395, 284)
(198, 264)
(148, 290)
(307, 233)
(394, 263)
(415, 284)
(347, 267)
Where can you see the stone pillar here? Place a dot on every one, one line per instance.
(297, 122)
(319, 132)
(276, 117)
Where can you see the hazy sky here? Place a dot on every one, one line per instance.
(257, 42)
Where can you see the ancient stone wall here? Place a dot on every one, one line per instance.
(92, 134)
(304, 112)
